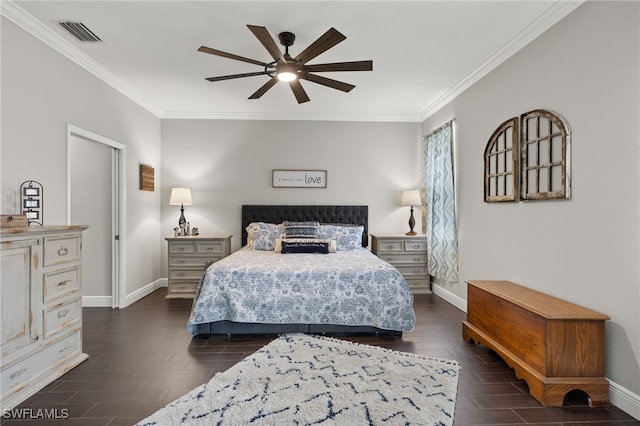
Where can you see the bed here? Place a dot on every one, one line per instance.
(262, 289)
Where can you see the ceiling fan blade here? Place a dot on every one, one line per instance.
(232, 76)
(217, 52)
(341, 66)
(298, 91)
(321, 45)
(267, 41)
(334, 84)
(262, 90)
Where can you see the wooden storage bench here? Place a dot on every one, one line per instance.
(553, 345)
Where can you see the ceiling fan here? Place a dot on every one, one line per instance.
(292, 70)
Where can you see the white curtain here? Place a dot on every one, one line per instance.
(439, 211)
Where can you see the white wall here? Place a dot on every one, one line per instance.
(585, 250)
(227, 163)
(41, 92)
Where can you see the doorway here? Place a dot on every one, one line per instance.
(95, 174)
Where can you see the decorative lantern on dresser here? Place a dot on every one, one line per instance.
(41, 308)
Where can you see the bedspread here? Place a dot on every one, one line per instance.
(352, 287)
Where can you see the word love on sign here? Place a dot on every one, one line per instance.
(299, 179)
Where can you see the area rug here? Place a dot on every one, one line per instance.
(300, 379)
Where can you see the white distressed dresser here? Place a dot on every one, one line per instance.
(40, 308)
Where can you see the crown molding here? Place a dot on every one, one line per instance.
(194, 115)
(27, 22)
(556, 12)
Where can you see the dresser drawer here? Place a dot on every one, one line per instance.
(29, 370)
(61, 283)
(61, 249)
(182, 247)
(60, 316)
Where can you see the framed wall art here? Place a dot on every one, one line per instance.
(299, 178)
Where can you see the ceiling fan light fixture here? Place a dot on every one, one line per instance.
(287, 72)
(287, 76)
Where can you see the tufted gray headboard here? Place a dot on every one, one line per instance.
(354, 215)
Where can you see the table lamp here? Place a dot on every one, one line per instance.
(411, 198)
(181, 197)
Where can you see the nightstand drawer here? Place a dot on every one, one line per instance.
(415, 246)
(183, 286)
(192, 261)
(409, 271)
(182, 247)
(394, 246)
(189, 274)
(212, 248)
(396, 259)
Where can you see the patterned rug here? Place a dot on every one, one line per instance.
(301, 379)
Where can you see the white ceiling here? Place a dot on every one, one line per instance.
(424, 52)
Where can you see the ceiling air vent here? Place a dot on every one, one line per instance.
(80, 31)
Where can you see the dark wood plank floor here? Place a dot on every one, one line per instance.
(141, 358)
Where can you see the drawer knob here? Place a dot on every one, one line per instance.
(62, 251)
(63, 283)
(62, 351)
(181, 261)
(63, 313)
(416, 246)
(389, 247)
(180, 274)
(416, 259)
(18, 373)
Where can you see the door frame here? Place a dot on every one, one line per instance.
(118, 206)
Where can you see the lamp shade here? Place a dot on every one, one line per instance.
(180, 196)
(411, 198)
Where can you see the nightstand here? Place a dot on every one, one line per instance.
(188, 259)
(408, 253)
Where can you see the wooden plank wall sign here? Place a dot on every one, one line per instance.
(147, 178)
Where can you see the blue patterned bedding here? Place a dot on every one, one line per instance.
(351, 287)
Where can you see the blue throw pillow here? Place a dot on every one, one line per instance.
(300, 229)
(305, 247)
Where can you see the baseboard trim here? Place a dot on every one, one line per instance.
(624, 399)
(456, 301)
(96, 301)
(105, 301)
(619, 396)
(144, 291)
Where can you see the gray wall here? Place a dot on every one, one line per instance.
(42, 91)
(227, 163)
(585, 250)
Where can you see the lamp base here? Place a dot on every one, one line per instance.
(412, 223)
